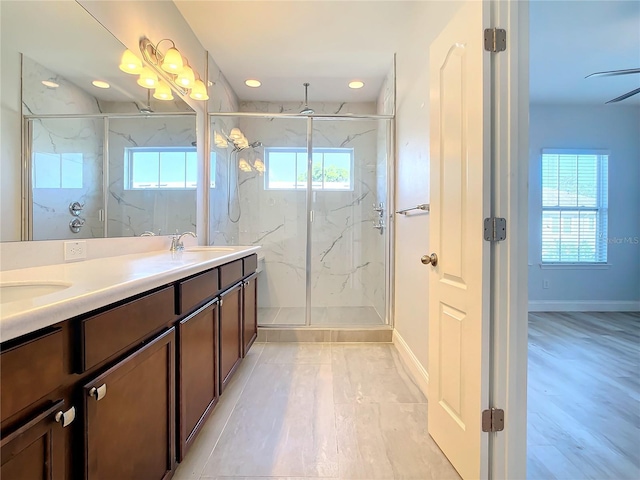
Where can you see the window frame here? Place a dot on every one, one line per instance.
(303, 187)
(128, 168)
(601, 208)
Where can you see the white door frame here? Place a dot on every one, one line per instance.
(508, 450)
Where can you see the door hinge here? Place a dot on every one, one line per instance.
(495, 229)
(495, 39)
(493, 420)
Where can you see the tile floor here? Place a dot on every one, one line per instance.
(302, 410)
(323, 316)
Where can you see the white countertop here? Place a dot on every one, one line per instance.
(100, 282)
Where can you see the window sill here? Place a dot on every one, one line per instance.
(574, 266)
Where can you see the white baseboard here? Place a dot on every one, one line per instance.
(583, 306)
(420, 375)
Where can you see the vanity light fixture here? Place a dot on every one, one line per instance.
(171, 67)
(252, 83)
(129, 63)
(147, 78)
(244, 165)
(50, 84)
(163, 91)
(100, 84)
(258, 164)
(236, 134)
(219, 140)
(356, 84)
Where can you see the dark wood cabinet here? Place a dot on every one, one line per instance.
(249, 313)
(130, 415)
(144, 374)
(197, 373)
(230, 333)
(35, 450)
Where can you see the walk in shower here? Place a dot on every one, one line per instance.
(325, 242)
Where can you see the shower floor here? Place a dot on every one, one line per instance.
(325, 316)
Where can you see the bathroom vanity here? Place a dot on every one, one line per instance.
(120, 390)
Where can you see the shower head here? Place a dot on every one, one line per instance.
(255, 144)
(306, 110)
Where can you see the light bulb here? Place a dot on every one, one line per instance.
(172, 62)
(147, 79)
(219, 140)
(258, 165)
(186, 77)
(244, 165)
(163, 92)
(199, 91)
(129, 63)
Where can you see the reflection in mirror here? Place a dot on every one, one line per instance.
(126, 158)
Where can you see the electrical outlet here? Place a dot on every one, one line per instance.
(545, 283)
(75, 251)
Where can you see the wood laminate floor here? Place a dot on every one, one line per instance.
(584, 396)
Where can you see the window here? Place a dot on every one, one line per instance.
(287, 168)
(57, 170)
(574, 206)
(163, 168)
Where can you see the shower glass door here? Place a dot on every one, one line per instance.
(258, 197)
(349, 226)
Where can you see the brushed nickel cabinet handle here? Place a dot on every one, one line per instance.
(430, 259)
(66, 418)
(98, 393)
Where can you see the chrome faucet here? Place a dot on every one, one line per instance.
(176, 241)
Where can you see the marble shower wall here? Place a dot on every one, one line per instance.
(131, 212)
(347, 267)
(82, 136)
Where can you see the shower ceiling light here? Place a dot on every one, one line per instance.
(252, 83)
(50, 84)
(171, 67)
(356, 84)
(100, 84)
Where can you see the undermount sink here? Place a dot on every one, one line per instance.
(15, 291)
(210, 249)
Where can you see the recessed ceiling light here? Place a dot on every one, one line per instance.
(100, 84)
(356, 84)
(252, 83)
(50, 84)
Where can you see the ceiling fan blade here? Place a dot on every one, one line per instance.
(612, 73)
(625, 96)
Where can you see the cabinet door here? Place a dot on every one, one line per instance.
(230, 333)
(249, 313)
(197, 372)
(35, 450)
(130, 415)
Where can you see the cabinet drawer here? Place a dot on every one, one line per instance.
(249, 264)
(230, 274)
(194, 291)
(30, 371)
(111, 332)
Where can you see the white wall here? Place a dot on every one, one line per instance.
(610, 127)
(412, 176)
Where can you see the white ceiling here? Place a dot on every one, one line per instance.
(571, 39)
(328, 43)
(286, 43)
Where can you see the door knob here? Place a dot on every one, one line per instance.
(430, 259)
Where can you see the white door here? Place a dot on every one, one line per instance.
(460, 200)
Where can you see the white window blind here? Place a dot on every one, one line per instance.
(574, 206)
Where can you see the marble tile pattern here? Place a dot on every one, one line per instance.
(294, 411)
(347, 266)
(131, 212)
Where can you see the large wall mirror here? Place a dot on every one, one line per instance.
(97, 162)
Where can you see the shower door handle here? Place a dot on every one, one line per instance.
(311, 216)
